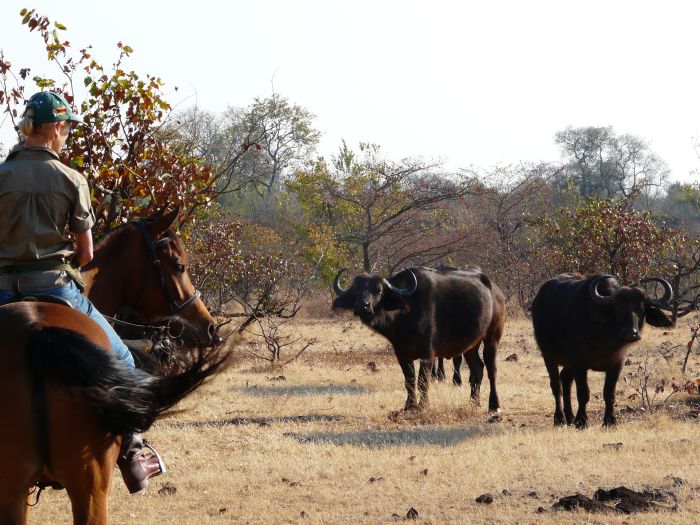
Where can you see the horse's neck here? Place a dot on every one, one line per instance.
(104, 279)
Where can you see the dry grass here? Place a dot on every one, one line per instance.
(313, 443)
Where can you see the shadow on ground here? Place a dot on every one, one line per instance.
(302, 390)
(262, 421)
(445, 437)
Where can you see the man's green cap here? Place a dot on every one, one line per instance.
(50, 107)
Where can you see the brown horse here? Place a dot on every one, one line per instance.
(142, 267)
(66, 401)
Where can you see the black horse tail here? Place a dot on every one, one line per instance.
(127, 400)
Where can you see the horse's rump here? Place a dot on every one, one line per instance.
(67, 398)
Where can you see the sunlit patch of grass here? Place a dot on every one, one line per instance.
(325, 436)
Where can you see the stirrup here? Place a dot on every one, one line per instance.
(161, 463)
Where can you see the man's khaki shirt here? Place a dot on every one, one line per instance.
(41, 200)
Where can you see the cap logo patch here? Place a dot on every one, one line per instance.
(59, 110)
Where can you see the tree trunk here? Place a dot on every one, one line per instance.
(365, 256)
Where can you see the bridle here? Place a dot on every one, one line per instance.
(152, 245)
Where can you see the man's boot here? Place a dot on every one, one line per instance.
(137, 462)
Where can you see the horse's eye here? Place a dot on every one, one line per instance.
(178, 265)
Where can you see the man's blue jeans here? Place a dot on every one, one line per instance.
(71, 293)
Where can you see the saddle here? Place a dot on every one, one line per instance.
(39, 298)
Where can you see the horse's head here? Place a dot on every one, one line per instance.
(167, 290)
(142, 268)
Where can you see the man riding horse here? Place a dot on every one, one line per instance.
(45, 236)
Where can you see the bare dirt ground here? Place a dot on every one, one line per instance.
(318, 441)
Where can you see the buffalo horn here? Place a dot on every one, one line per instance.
(403, 291)
(595, 294)
(339, 290)
(668, 291)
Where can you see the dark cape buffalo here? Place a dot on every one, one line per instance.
(586, 324)
(427, 313)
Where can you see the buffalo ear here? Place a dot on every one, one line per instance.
(391, 300)
(345, 301)
(656, 317)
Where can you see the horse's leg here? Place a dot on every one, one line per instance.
(20, 461)
(89, 490)
(13, 508)
(82, 456)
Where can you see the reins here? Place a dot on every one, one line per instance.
(152, 246)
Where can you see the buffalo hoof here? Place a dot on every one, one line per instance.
(409, 407)
(581, 422)
(457, 381)
(494, 410)
(559, 420)
(609, 421)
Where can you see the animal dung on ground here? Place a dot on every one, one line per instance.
(512, 357)
(675, 480)
(628, 501)
(167, 489)
(631, 501)
(615, 446)
(291, 483)
(581, 502)
(412, 514)
(485, 499)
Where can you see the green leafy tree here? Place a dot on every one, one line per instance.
(386, 212)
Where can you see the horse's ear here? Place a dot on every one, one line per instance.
(162, 221)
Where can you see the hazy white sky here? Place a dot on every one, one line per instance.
(472, 82)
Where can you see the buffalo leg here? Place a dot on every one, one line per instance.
(583, 395)
(555, 384)
(490, 360)
(567, 378)
(409, 374)
(426, 365)
(611, 376)
(439, 369)
(476, 373)
(456, 376)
